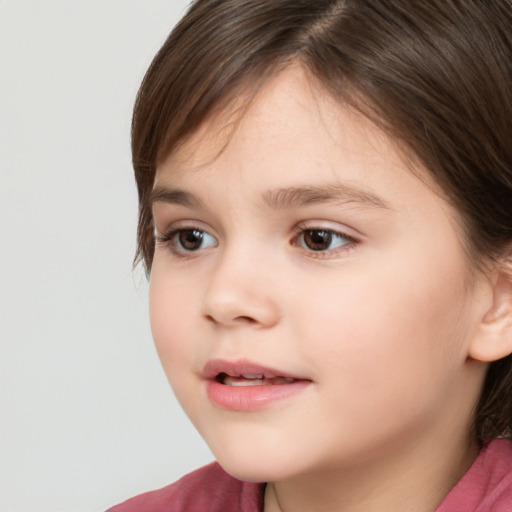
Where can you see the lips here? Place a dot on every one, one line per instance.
(246, 386)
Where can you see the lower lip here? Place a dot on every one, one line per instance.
(251, 398)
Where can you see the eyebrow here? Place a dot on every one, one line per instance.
(162, 194)
(283, 198)
(294, 197)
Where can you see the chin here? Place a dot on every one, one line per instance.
(248, 471)
(256, 462)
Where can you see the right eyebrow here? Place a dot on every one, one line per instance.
(163, 194)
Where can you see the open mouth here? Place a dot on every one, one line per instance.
(252, 380)
(245, 386)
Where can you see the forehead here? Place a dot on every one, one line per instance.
(291, 118)
(285, 135)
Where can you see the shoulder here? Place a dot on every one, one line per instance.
(208, 489)
(488, 483)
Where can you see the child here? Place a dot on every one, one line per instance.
(326, 217)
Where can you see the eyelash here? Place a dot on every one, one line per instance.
(169, 239)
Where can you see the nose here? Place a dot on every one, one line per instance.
(241, 291)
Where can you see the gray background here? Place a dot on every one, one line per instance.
(87, 417)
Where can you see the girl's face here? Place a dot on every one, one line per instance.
(309, 295)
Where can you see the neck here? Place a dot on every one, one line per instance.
(416, 476)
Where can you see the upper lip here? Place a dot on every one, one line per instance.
(241, 367)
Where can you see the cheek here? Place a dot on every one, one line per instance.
(170, 306)
(392, 334)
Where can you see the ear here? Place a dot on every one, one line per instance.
(493, 339)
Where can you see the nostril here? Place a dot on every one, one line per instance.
(245, 319)
(238, 319)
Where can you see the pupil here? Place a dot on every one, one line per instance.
(317, 240)
(191, 239)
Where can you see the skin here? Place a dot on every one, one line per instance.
(382, 322)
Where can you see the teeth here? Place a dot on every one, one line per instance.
(231, 381)
(255, 380)
(253, 376)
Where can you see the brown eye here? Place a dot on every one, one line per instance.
(321, 240)
(188, 240)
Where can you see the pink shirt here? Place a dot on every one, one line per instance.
(486, 487)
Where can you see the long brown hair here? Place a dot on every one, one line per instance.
(436, 76)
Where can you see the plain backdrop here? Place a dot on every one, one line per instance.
(87, 416)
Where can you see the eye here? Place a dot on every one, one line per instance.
(322, 240)
(188, 240)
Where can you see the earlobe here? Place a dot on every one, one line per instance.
(493, 340)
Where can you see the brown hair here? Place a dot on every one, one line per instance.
(436, 76)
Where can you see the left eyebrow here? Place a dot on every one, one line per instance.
(294, 197)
